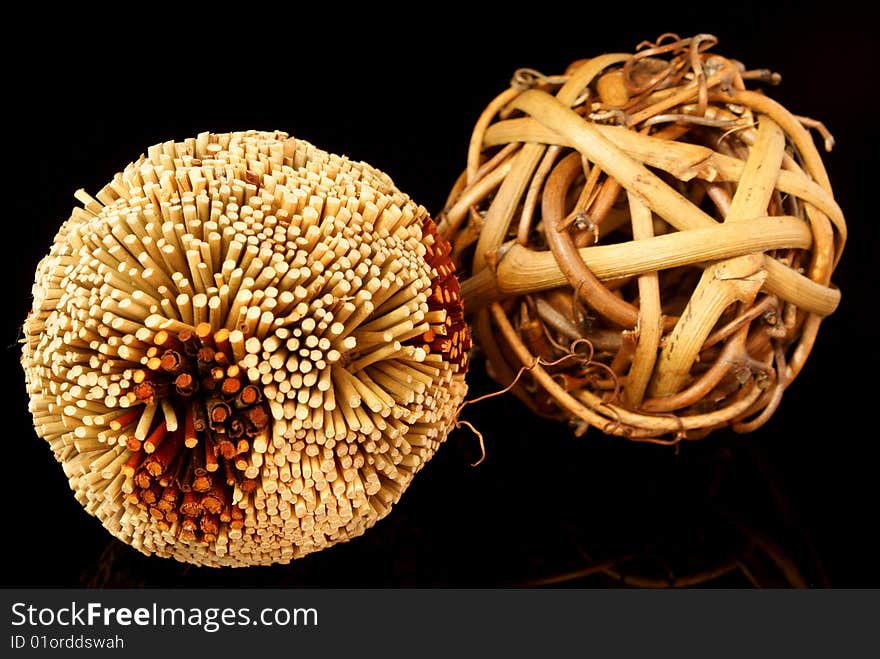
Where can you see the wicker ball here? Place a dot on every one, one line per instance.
(646, 242)
(244, 348)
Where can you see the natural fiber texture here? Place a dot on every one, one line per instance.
(650, 239)
(244, 348)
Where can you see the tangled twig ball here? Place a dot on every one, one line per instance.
(243, 349)
(646, 241)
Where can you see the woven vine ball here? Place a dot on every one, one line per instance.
(243, 349)
(646, 242)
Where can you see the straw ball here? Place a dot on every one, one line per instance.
(651, 237)
(243, 348)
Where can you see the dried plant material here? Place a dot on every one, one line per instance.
(243, 349)
(648, 241)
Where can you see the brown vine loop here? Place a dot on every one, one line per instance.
(714, 207)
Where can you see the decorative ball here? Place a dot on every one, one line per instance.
(243, 349)
(645, 242)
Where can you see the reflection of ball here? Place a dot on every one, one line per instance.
(244, 348)
(670, 230)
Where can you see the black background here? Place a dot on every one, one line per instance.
(402, 91)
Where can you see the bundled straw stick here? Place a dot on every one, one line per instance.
(243, 349)
(647, 241)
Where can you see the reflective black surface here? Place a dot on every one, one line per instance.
(543, 504)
